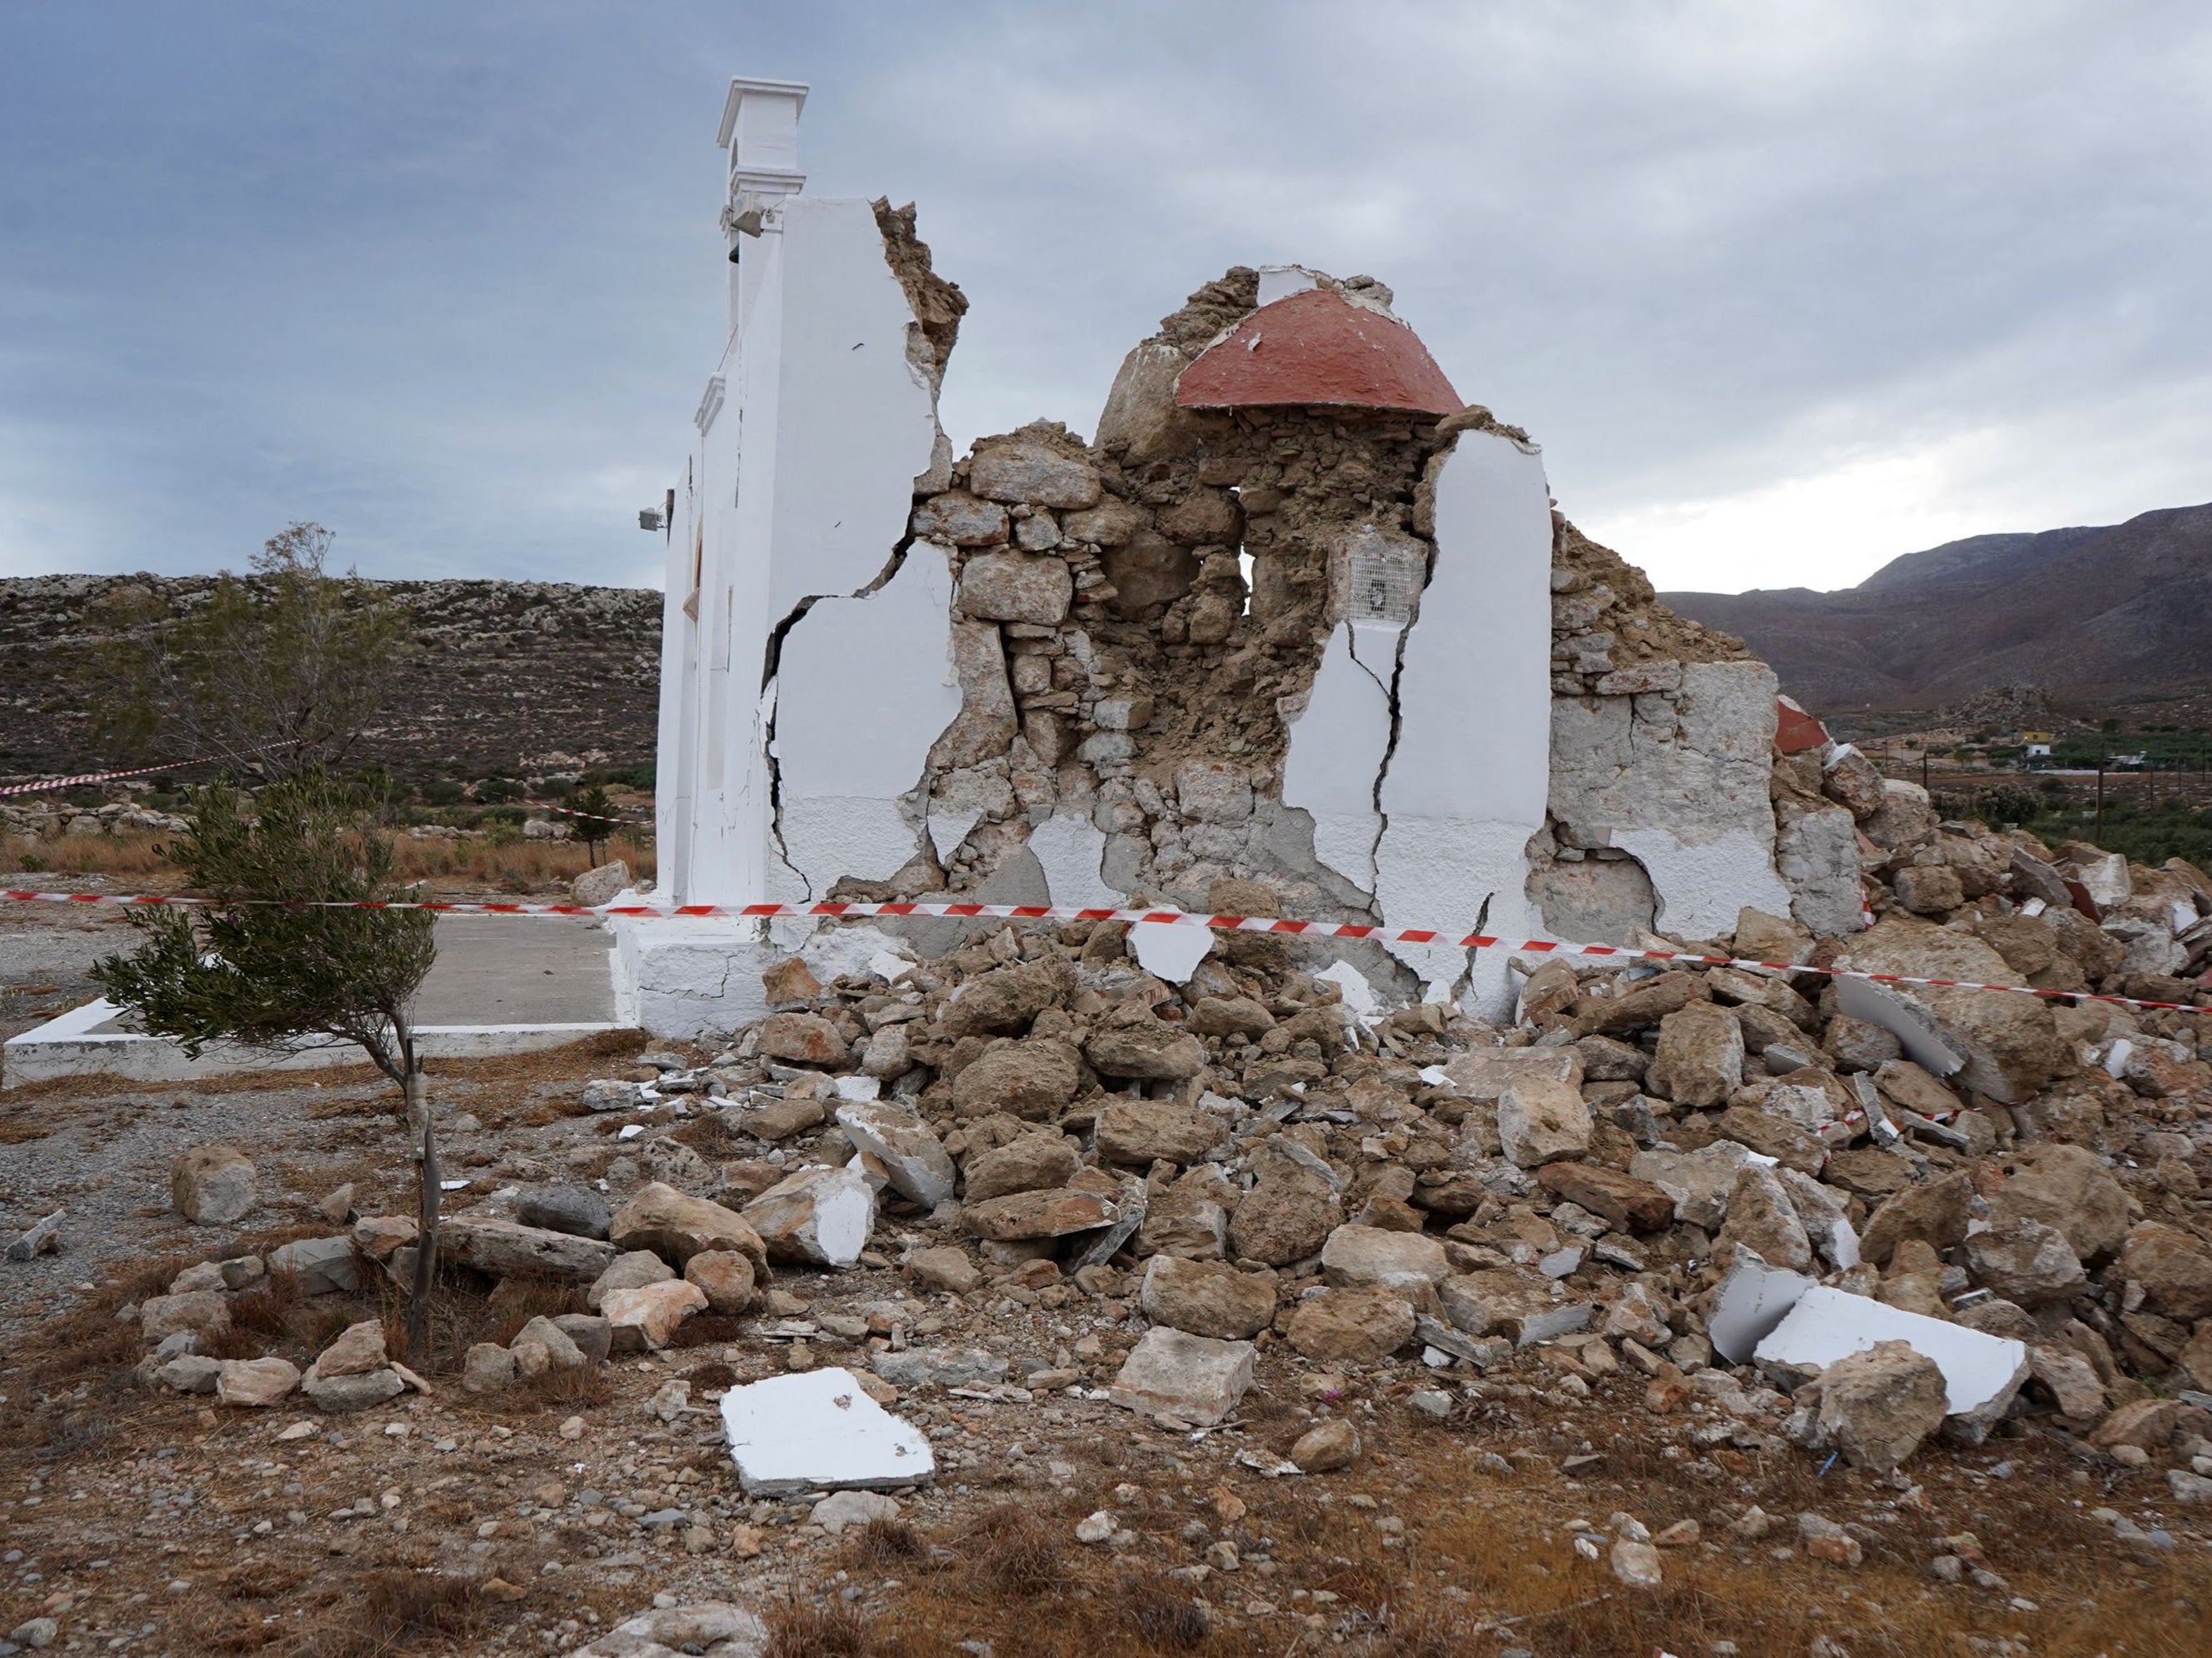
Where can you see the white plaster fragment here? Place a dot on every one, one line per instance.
(1753, 1300)
(1071, 850)
(1359, 994)
(1170, 950)
(1912, 1025)
(819, 1430)
(1825, 1325)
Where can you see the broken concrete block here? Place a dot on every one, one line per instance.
(820, 1430)
(212, 1184)
(1752, 1299)
(1193, 1379)
(919, 1168)
(1981, 1373)
(824, 1216)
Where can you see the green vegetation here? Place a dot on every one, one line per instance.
(2147, 833)
(282, 955)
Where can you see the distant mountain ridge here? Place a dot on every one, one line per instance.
(2092, 614)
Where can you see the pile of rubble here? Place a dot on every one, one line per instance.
(1846, 1212)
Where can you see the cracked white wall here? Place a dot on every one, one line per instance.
(1678, 779)
(1339, 744)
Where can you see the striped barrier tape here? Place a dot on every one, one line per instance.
(612, 815)
(82, 778)
(833, 911)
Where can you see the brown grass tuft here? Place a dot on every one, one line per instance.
(886, 1542)
(1012, 1551)
(395, 1612)
(1160, 1612)
(799, 1629)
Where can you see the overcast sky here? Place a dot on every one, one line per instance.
(1785, 289)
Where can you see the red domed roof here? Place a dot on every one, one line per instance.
(1318, 347)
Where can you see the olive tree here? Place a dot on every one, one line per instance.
(289, 949)
(283, 669)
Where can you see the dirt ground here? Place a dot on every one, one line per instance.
(141, 1522)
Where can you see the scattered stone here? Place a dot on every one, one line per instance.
(944, 1267)
(575, 1210)
(340, 1394)
(323, 1266)
(648, 1314)
(1208, 1298)
(840, 1510)
(1351, 1327)
(725, 1278)
(488, 1369)
(506, 1248)
(358, 1350)
(706, 1629)
(633, 1271)
(822, 1216)
(255, 1383)
(212, 1184)
(676, 1226)
(941, 1366)
(1327, 1447)
(1193, 1379)
(205, 1313)
(1877, 1407)
(1541, 1120)
(921, 1170)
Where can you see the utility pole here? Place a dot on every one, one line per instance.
(2098, 838)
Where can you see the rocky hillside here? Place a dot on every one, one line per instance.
(513, 676)
(2095, 616)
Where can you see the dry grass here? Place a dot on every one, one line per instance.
(801, 1630)
(514, 866)
(394, 1611)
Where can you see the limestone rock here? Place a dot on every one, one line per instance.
(1139, 1132)
(255, 1383)
(1191, 1378)
(1408, 1264)
(1327, 1447)
(358, 1350)
(1146, 1049)
(1773, 1137)
(323, 1266)
(1627, 1203)
(340, 1394)
(576, 1210)
(1699, 1182)
(560, 1349)
(959, 517)
(1761, 1217)
(1934, 1212)
(710, 1629)
(1700, 1057)
(1541, 1120)
(2067, 1187)
(1034, 1079)
(595, 887)
(2010, 1043)
(1494, 1300)
(649, 1316)
(944, 1268)
(1002, 1002)
(488, 1369)
(505, 1248)
(203, 1312)
(1286, 1216)
(2174, 1268)
(2071, 1380)
(801, 1039)
(1010, 586)
(212, 1184)
(629, 1271)
(2025, 1262)
(819, 1215)
(1351, 1327)
(1051, 1214)
(725, 1278)
(1481, 1074)
(1019, 468)
(776, 1120)
(1878, 1406)
(1029, 1162)
(676, 1226)
(1207, 1298)
(919, 1167)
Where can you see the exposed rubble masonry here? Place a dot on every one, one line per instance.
(1292, 616)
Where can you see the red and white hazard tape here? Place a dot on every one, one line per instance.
(612, 815)
(90, 777)
(1161, 917)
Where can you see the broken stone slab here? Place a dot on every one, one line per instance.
(1981, 1373)
(919, 1168)
(705, 1628)
(323, 1266)
(1877, 1407)
(1483, 1074)
(43, 1238)
(503, 1248)
(676, 1226)
(1207, 1297)
(819, 1430)
(822, 1216)
(941, 1366)
(576, 1210)
(340, 1394)
(1698, 1181)
(1409, 1263)
(1541, 1120)
(1196, 1379)
(255, 1383)
(1026, 1215)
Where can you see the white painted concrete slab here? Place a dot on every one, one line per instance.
(816, 1431)
(1825, 1325)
